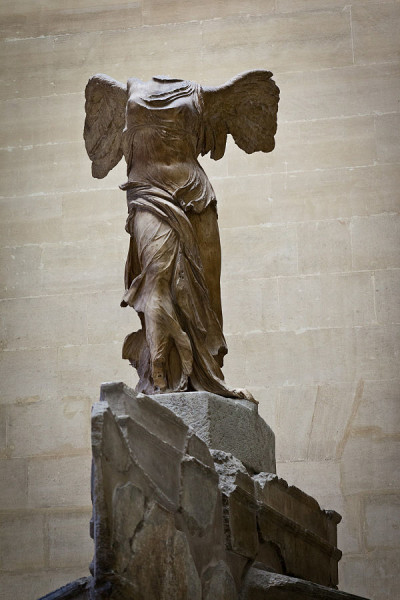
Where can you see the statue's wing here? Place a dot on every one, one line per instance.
(246, 107)
(105, 108)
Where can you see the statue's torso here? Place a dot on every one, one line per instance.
(163, 124)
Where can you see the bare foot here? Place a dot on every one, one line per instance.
(158, 372)
(244, 394)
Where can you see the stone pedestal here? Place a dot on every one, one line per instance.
(183, 511)
(261, 585)
(226, 424)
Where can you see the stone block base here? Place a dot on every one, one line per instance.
(76, 590)
(181, 510)
(258, 585)
(262, 585)
(233, 426)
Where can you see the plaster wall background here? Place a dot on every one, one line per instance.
(311, 258)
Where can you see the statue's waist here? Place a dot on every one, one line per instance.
(174, 172)
(149, 142)
(193, 192)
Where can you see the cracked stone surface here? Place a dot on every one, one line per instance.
(176, 519)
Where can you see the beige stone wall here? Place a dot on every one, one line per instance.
(311, 259)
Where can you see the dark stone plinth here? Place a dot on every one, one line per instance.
(168, 509)
(262, 585)
(76, 590)
(227, 424)
(174, 519)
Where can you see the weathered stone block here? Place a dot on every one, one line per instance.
(372, 575)
(377, 351)
(343, 149)
(387, 135)
(333, 405)
(375, 27)
(387, 296)
(14, 495)
(260, 585)
(174, 519)
(76, 590)
(239, 505)
(71, 17)
(370, 464)
(128, 512)
(34, 121)
(324, 246)
(380, 418)
(26, 586)
(88, 216)
(334, 193)
(294, 504)
(315, 40)
(61, 481)
(218, 583)
(158, 459)
(27, 280)
(3, 431)
(382, 521)
(22, 542)
(67, 419)
(255, 300)
(46, 62)
(33, 223)
(275, 246)
(316, 355)
(81, 367)
(157, 515)
(31, 375)
(173, 11)
(365, 90)
(199, 495)
(146, 412)
(375, 242)
(332, 300)
(294, 418)
(69, 543)
(78, 268)
(321, 480)
(235, 370)
(233, 191)
(303, 535)
(161, 565)
(226, 424)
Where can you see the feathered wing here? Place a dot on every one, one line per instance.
(246, 107)
(105, 108)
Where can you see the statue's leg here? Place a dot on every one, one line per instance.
(157, 247)
(205, 226)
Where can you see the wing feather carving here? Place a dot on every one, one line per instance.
(246, 107)
(105, 109)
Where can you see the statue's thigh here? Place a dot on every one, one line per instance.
(156, 243)
(205, 226)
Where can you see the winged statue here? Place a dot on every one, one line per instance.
(172, 272)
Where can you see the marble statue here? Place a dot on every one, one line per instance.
(172, 273)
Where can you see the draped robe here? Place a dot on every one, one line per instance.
(172, 274)
(171, 279)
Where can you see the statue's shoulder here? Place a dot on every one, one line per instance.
(134, 82)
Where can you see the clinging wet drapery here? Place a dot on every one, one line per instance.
(173, 267)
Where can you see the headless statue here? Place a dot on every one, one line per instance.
(172, 273)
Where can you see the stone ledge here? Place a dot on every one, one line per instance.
(173, 518)
(222, 423)
(262, 585)
(227, 424)
(76, 590)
